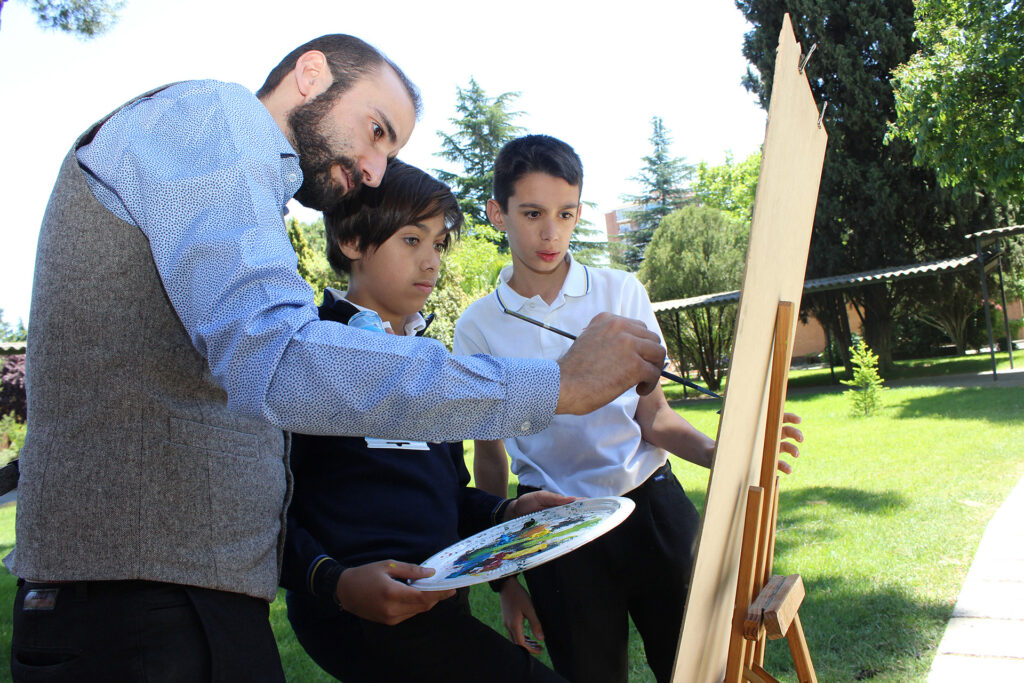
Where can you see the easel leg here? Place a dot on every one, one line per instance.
(801, 655)
(738, 645)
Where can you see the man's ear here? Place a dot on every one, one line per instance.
(495, 215)
(312, 74)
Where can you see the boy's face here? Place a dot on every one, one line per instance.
(542, 213)
(396, 277)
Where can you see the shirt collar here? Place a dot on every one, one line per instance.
(414, 323)
(577, 283)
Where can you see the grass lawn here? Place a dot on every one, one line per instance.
(881, 518)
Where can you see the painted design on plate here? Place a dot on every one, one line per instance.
(532, 537)
(525, 542)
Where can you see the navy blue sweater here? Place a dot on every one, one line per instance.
(353, 505)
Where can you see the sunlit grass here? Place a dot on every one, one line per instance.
(881, 518)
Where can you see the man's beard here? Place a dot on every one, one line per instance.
(316, 157)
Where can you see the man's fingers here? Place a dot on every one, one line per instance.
(612, 355)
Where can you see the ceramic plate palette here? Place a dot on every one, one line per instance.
(523, 542)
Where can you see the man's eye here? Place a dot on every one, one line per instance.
(412, 241)
(378, 132)
(568, 215)
(532, 214)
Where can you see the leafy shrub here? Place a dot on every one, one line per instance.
(866, 395)
(12, 436)
(12, 387)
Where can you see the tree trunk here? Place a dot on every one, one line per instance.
(878, 321)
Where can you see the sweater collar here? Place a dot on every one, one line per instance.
(339, 309)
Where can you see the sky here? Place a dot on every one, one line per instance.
(589, 73)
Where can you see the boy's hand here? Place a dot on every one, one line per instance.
(371, 591)
(534, 501)
(517, 607)
(610, 356)
(785, 446)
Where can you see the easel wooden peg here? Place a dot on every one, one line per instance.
(766, 605)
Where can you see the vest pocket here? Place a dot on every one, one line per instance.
(207, 437)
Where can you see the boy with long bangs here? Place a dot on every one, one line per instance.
(366, 510)
(642, 567)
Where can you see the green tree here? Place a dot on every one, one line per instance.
(309, 244)
(469, 270)
(696, 250)
(958, 99)
(11, 333)
(875, 208)
(482, 125)
(83, 18)
(663, 189)
(729, 187)
(866, 394)
(1013, 257)
(948, 303)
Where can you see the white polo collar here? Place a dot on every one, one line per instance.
(577, 283)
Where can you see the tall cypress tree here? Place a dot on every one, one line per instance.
(663, 181)
(875, 208)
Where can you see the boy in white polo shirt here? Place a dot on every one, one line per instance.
(642, 567)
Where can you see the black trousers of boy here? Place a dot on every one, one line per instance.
(140, 631)
(641, 569)
(445, 644)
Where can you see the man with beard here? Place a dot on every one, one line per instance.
(171, 341)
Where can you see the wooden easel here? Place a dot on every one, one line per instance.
(766, 605)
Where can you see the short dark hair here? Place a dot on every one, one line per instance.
(405, 196)
(348, 58)
(530, 154)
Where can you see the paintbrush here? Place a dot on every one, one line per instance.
(664, 373)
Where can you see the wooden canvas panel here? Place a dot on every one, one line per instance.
(780, 233)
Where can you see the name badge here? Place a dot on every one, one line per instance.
(392, 444)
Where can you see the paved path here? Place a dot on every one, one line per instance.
(984, 639)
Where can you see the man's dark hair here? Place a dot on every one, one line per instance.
(530, 154)
(348, 58)
(406, 196)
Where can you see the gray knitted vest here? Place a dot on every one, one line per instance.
(133, 467)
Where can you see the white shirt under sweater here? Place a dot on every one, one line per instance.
(599, 454)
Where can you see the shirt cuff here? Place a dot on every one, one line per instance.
(499, 511)
(322, 580)
(532, 394)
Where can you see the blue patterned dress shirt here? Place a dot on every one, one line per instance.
(204, 171)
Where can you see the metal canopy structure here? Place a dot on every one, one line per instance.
(988, 255)
(983, 239)
(826, 283)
